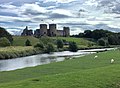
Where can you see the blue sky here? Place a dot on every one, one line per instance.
(79, 15)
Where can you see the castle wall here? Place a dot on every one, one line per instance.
(27, 32)
(37, 33)
(66, 31)
(52, 29)
(43, 29)
(59, 32)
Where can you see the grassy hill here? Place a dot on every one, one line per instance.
(81, 42)
(20, 40)
(83, 72)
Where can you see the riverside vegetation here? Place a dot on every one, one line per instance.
(19, 46)
(42, 45)
(81, 72)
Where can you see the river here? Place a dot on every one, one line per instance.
(40, 59)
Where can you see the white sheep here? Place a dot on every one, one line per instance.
(95, 57)
(112, 61)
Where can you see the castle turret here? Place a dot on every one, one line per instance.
(66, 31)
(52, 29)
(43, 29)
(27, 32)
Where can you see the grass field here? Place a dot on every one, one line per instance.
(20, 40)
(83, 72)
(79, 41)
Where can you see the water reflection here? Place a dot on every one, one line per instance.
(30, 61)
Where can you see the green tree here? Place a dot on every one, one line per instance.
(4, 33)
(88, 33)
(101, 42)
(59, 43)
(50, 48)
(27, 43)
(4, 42)
(73, 47)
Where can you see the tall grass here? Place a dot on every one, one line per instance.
(17, 51)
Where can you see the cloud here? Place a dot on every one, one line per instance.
(80, 15)
(32, 9)
(59, 1)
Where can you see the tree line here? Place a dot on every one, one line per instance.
(103, 37)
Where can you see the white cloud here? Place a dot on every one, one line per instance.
(59, 1)
(73, 13)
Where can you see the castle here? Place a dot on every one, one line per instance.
(45, 31)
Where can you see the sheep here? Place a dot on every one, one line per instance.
(95, 57)
(112, 61)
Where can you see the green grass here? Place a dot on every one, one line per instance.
(17, 51)
(83, 72)
(20, 40)
(81, 42)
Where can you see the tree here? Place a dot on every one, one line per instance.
(101, 42)
(88, 33)
(4, 42)
(4, 33)
(50, 48)
(113, 40)
(59, 43)
(73, 47)
(27, 43)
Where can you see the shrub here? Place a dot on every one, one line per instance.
(45, 40)
(4, 42)
(59, 43)
(50, 48)
(101, 42)
(73, 47)
(27, 43)
(40, 45)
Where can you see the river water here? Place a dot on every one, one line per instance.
(35, 60)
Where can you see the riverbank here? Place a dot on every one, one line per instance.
(23, 51)
(17, 51)
(82, 72)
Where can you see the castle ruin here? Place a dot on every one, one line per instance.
(45, 31)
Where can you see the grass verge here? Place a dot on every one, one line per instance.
(83, 72)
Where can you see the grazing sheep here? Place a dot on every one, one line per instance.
(95, 57)
(112, 61)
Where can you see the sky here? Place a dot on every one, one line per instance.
(79, 15)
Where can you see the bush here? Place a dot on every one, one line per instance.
(50, 48)
(101, 42)
(4, 42)
(27, 43)
(73, 47)
(59, 43)
(45, 40)
(40, 45)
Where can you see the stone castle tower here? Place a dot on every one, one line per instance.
(52, 30)
(66, 31)
(44, 31)
(27, 32)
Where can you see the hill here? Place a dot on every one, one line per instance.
(20, 40)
